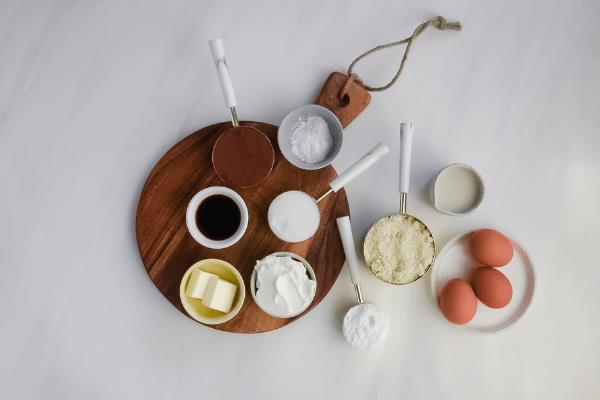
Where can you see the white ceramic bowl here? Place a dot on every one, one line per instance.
(190, 217)
(436, 196)
(309, 271)
(285, 130)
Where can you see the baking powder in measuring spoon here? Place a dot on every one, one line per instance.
(366, 324)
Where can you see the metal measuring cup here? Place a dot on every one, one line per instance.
(411, 222)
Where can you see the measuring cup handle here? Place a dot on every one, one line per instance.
(345, 230)
(364, 163)
(406, 137)
(218, 53)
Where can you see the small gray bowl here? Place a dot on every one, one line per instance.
(285, 130)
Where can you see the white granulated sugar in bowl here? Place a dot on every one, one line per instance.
(399, 249)
(311, 140)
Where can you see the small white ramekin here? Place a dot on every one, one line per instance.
(190, 217)
(435, 195)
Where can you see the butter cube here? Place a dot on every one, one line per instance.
(197, 282)
(219, 295)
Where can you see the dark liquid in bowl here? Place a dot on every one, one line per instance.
(218, 217)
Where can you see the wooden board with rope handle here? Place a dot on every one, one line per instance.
(347, 96)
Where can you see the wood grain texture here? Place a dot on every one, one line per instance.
(167, 249)
(355, 102)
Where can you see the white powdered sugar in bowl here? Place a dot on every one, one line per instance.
(310, 139)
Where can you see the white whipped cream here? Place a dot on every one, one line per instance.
(283, 288)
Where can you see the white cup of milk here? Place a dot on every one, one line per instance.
(457, 189)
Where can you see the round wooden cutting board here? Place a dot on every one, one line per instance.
(167, 249)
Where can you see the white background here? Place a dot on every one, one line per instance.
(93, 92)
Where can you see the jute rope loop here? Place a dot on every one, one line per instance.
(346, 87)
(438, 22)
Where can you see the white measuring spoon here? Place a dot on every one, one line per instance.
(294, 215)
(364, 324)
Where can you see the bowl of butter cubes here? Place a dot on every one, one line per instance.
(212, 291)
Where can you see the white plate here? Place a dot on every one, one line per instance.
(455, 261)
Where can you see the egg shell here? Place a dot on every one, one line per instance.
(491, 248)
(458, 302)
(492, 287)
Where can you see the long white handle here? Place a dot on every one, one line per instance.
(218, 54)
(366, 161)
(406, 136)
(345, 229)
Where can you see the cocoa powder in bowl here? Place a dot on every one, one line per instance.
(243, 156)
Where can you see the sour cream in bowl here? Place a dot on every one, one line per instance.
(283, 285)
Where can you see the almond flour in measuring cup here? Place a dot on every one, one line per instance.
(398, 249)
(311, 140)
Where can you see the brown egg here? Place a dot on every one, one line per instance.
(492, 287)
(458, 302)
(491, 248)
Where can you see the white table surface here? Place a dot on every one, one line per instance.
(92, 93)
